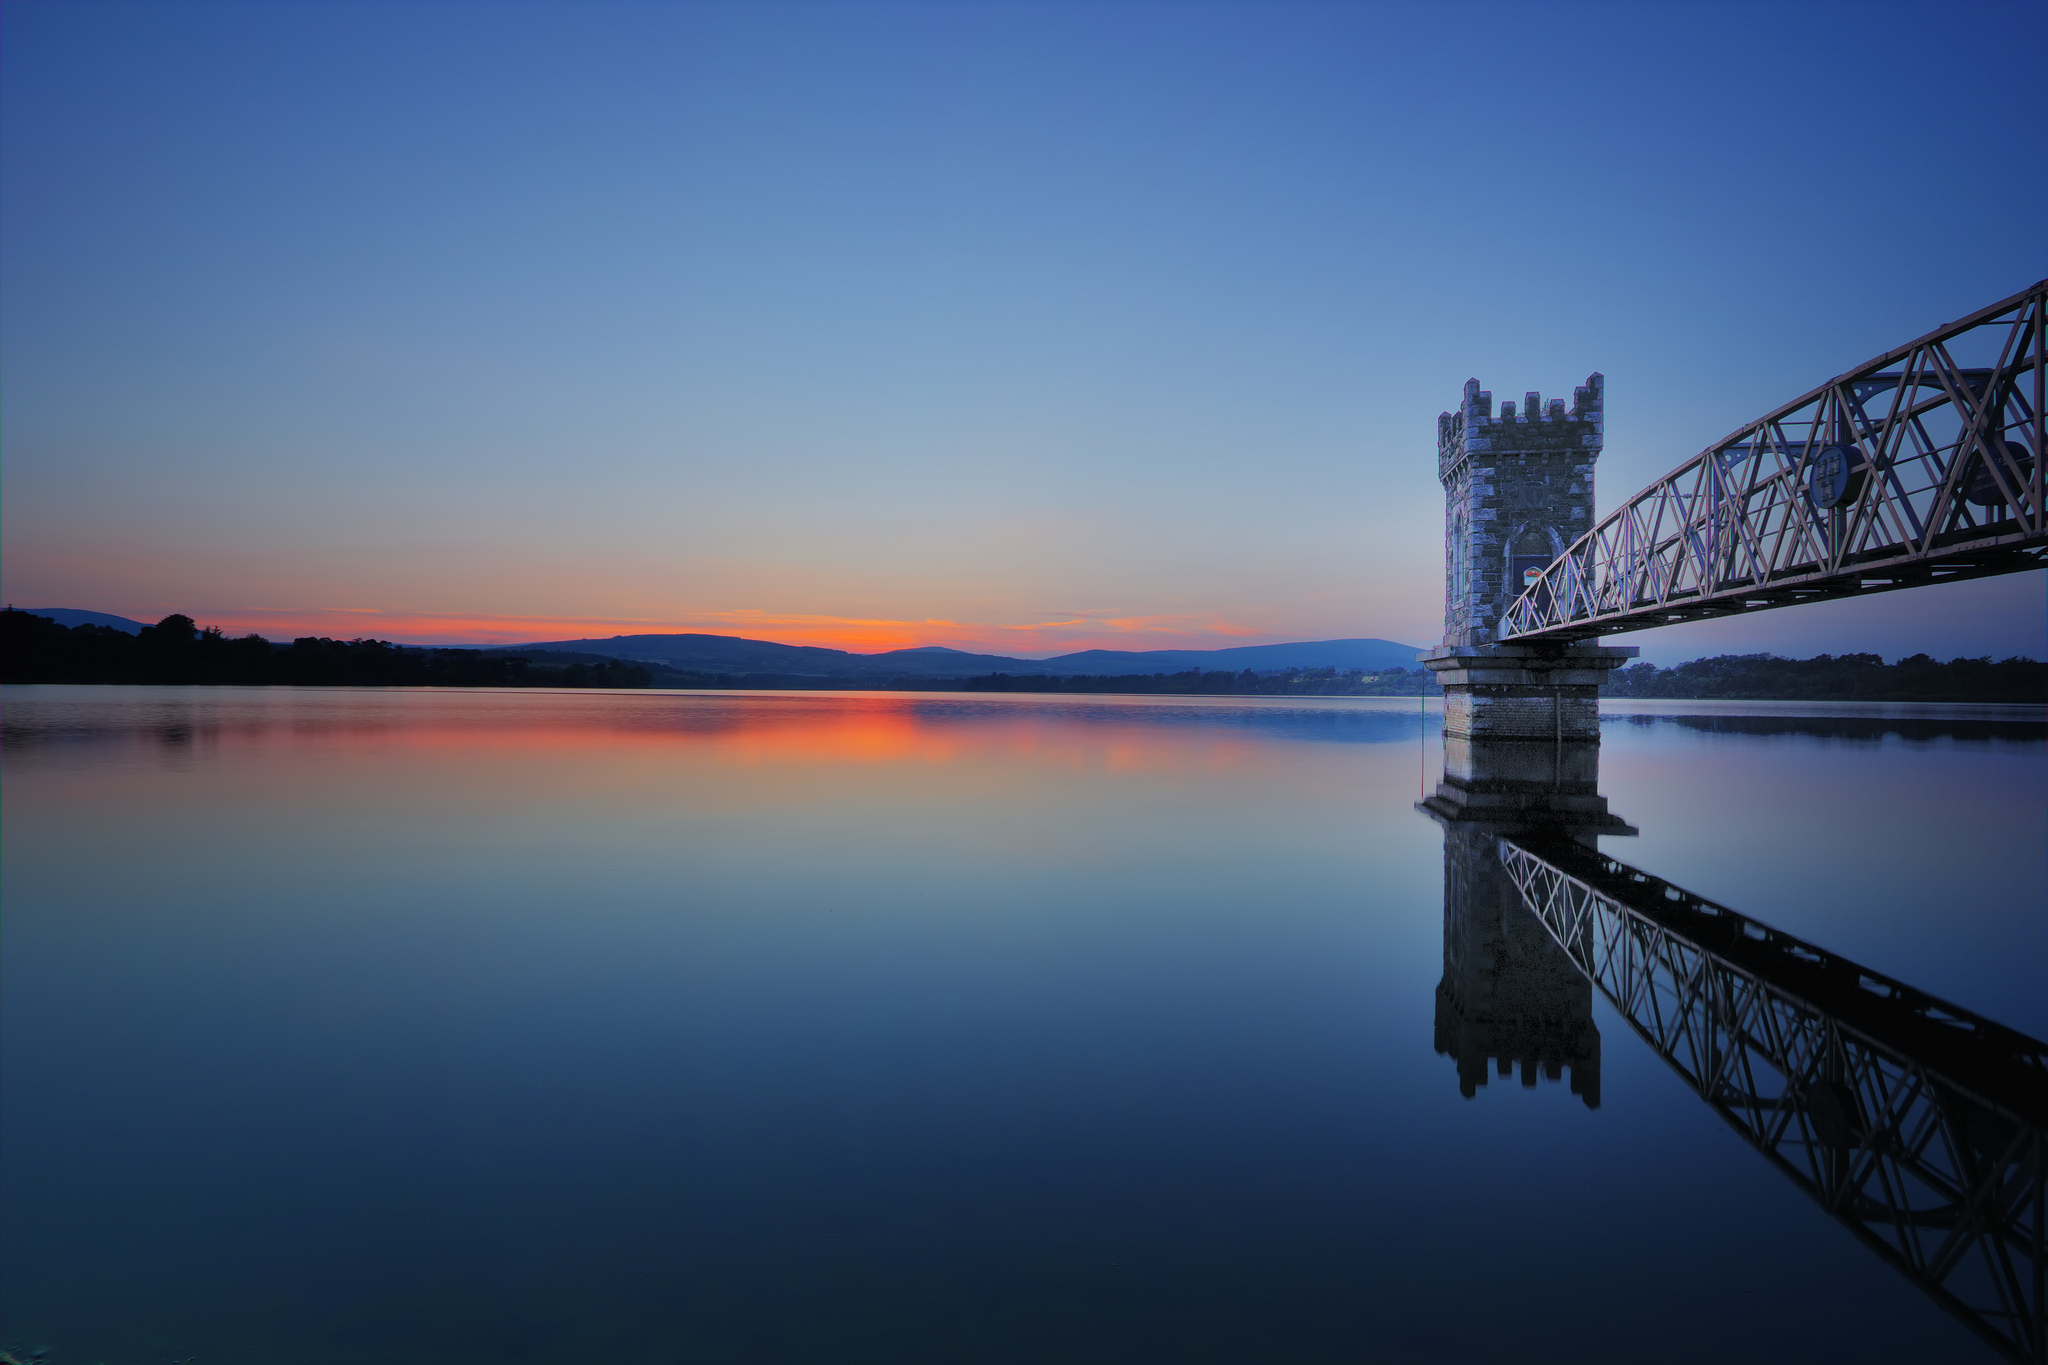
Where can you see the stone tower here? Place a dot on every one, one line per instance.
(1518, 488)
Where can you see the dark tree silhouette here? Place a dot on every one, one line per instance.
(176, 650)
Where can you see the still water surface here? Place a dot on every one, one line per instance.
(429, 1026)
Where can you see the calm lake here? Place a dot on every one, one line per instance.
(522, 1026)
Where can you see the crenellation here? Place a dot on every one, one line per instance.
(1518, 490)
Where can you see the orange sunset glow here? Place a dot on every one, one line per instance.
(854, 634)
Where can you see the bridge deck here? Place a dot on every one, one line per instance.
(1924, 465)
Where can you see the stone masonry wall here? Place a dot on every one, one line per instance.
(1520, 483)
(1558, 714)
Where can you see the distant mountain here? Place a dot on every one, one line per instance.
(731, 654)
(73, 616)
(937, 661)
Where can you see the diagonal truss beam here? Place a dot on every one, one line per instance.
(1919, 1126)
(1925, 465)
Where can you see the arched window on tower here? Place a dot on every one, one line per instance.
(1531, 553)
(1458, 608)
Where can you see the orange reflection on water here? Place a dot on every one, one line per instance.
(510, 730)
(692, 789)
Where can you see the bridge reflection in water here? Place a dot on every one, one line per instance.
(1920, 1127)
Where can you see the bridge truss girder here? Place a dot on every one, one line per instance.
(1917, 1125)
(1940, 452)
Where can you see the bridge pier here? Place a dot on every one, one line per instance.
(1521, 736)
(1535, 691)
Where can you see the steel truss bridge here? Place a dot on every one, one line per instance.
(1925, 465)
(1917, 1125)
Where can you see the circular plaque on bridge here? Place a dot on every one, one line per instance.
(1835, 477)
(1983, 490)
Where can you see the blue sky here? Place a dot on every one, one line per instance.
(1025, 327)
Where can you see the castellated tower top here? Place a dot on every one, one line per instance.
(1473, 428)
(1518, 488)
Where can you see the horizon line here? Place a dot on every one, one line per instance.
(1122, 635)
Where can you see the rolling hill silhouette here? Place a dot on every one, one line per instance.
(734, 655)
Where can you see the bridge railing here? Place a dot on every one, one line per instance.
(1916, 1124)
(1924, 465)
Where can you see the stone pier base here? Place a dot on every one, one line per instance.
(1542, 790)
(1523, 691)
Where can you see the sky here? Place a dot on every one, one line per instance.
(1018, 327)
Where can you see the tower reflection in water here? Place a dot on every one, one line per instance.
(1510, 996)
(1919, 1126)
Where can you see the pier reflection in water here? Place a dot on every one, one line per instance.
(1918, 1125)
(1510, 996)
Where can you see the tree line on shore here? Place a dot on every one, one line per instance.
(1837, 677)
(1732, 677)
(176, 650)
(1293, 682)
